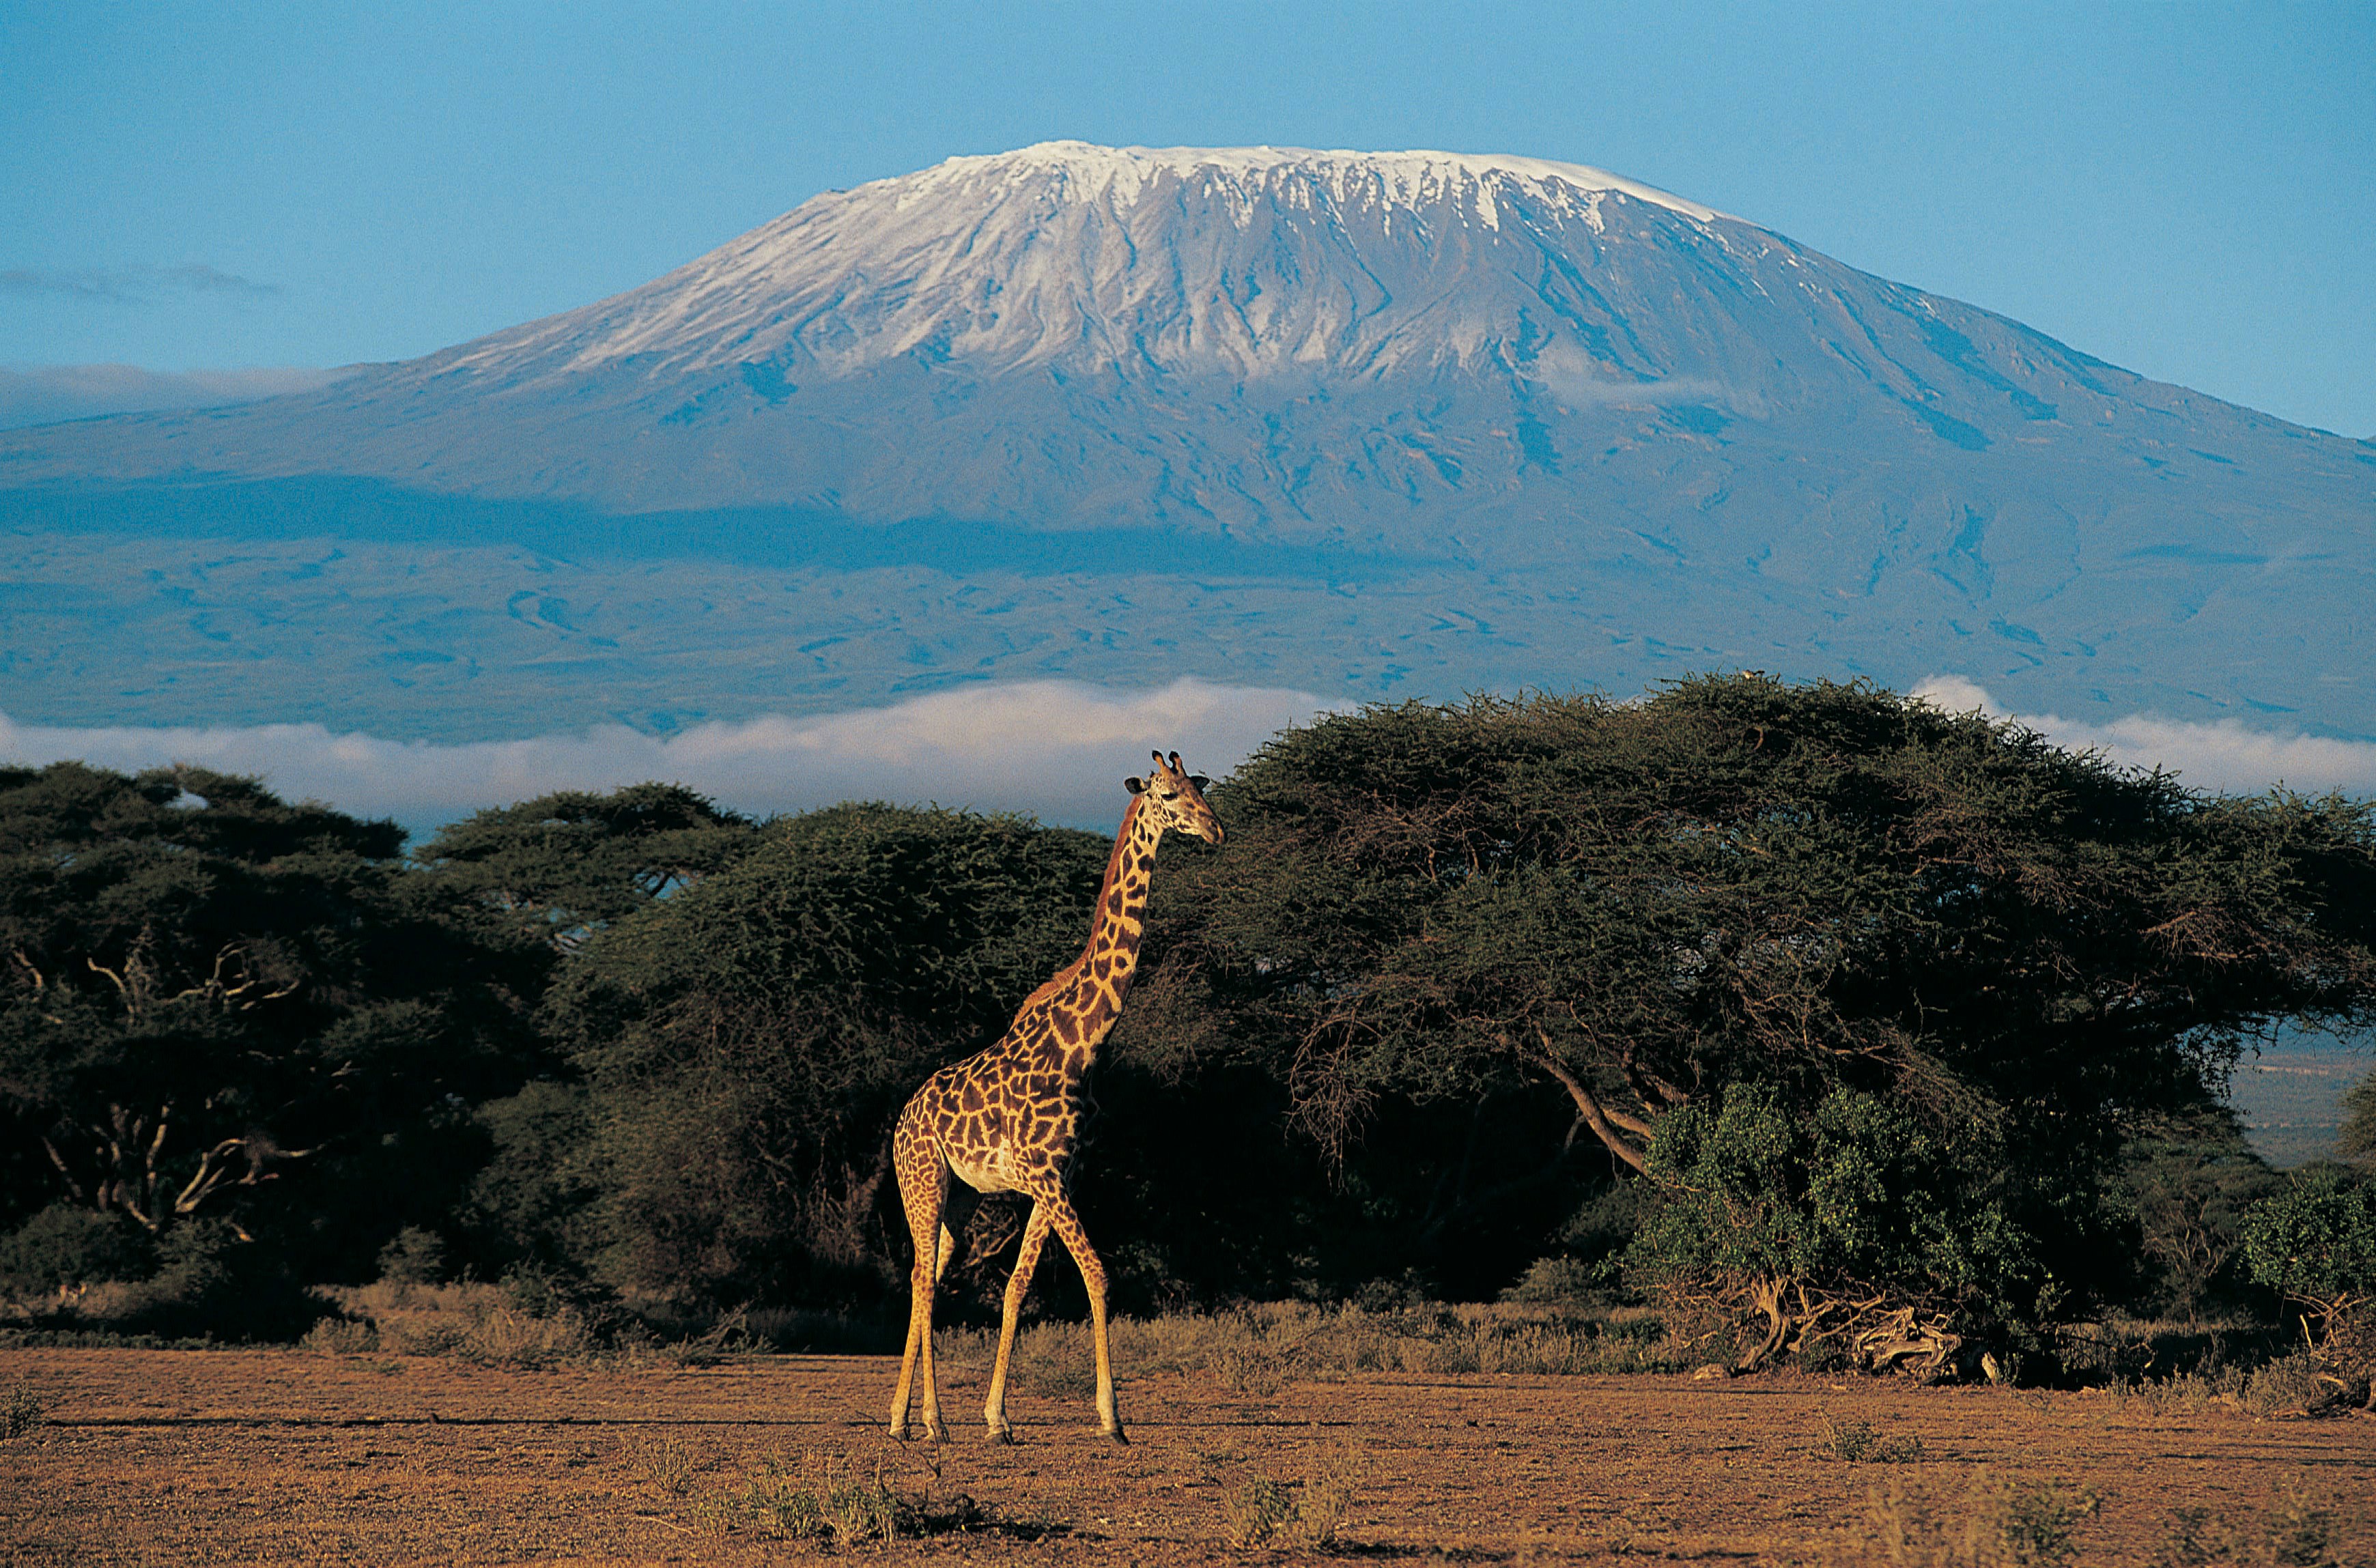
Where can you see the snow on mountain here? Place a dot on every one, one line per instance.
(1079, 259)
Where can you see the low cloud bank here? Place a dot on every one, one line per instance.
(1057, 749)
(46, 394)
(132, 285)
(2227, 755)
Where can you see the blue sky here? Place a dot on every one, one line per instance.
(2188, 191)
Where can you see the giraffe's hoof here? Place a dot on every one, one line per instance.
(1116, 1432)
(1002, 1436)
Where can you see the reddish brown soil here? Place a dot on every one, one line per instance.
(284, 1456)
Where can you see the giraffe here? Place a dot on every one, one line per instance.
(1006, 1120)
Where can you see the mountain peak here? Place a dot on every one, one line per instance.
(1072, 258)
(1409, 178)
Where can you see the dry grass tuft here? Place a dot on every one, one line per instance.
(1995, 1524)
(474, 1323)
(20, 1411)
(1258, 1351)
(838, 1502)
(2301, 1529)
(1306, 1512)
(1856, 1443)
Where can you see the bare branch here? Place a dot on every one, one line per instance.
(113, 978)
(59, 1160)
(1595, 1116)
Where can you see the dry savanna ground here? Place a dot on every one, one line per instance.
(296, 1455)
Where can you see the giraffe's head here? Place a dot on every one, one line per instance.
(1177, 799)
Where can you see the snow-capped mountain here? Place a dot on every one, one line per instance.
(1067, 259)
(1568, 400)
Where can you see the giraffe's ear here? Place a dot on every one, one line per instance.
(1135, 786)
(1200, 782)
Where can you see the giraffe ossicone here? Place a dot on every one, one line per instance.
(1007, 1120)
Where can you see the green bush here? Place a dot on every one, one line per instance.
(1766, 1212)
(413, 1256)
(67, 1246)
(2315, 1242)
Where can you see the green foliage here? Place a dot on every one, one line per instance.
(533, 1203)
(1554, 1282)
(66, 1247)
(214, 1004)
(1886, 1004)
(413, 1256)
(1857, 1198)
(563, 866)
(1618, 909)
(2191, 1181)
(2315, 1242)
(746, 1043)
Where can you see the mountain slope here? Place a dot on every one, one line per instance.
(1535, 384)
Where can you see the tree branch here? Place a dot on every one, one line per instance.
(1604, 1126)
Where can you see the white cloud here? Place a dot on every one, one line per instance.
(2226, 755)
(1057, 749)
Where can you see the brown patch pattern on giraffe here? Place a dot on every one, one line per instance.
(1008, 1120)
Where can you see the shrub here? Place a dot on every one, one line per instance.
(66, 1247)
(1308, 1512)
(1555, 1281)
(1826, 1222)
(2315, 1243)
(413, 1256)
(828, 1499)
(2299, 1530)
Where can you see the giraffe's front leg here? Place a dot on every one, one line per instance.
(993, 1410)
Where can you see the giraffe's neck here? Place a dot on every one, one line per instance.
(1085, 997)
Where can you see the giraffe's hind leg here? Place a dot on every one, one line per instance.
(1067, 1226)
(924, 1191)
(956, 1248)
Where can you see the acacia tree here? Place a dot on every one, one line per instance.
(744, 1046)
(1810, 887)
(565, 866)
(211, 995)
